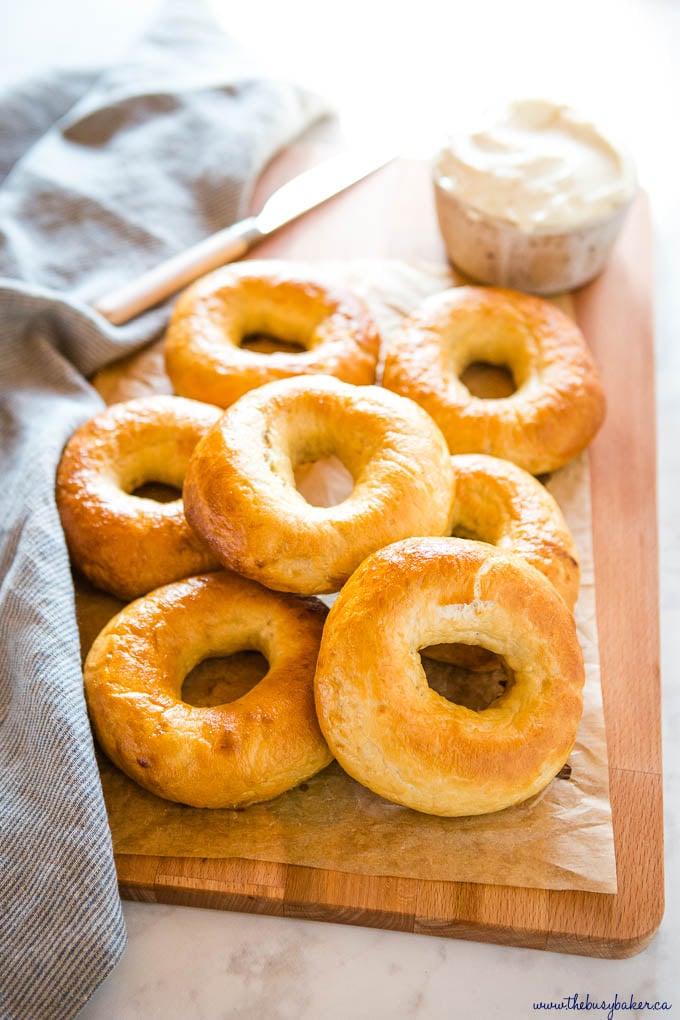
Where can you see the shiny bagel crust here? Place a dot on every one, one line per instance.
(203, 355)
(230, 755)
(558, 405)
(393, 733)
(500, 503)
(240, 494)
(124, 543)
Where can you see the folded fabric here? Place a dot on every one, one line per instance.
(101, 176)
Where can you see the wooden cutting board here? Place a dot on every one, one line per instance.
(392, 215)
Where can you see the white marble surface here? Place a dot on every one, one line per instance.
(418, 62)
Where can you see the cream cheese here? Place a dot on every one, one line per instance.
(538, 166)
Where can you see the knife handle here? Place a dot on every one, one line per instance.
(152, 287)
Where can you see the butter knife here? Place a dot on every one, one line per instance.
(304, 192)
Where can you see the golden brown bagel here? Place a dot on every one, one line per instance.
(122, 542)
(203, 352)
(240, 493)
(558, 404)
(393, 733)
(239, 753)
(499, 503)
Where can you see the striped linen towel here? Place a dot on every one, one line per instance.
(101, 176)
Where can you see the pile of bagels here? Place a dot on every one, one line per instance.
(446, 546)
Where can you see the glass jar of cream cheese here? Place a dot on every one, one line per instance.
(533, 198)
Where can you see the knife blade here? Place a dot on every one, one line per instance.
(302, 193)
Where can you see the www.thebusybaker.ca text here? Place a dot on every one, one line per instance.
(610, 1007)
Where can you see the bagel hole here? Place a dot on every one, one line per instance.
(323, 482)
(460, 531)
(467, 675)
(221, 679)
(487, 381)
(157, 491)
(262, 343)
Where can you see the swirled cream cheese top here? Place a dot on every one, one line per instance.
(539, 166)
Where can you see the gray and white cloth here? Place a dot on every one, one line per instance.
(101, 177)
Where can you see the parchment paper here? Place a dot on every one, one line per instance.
(560, 839)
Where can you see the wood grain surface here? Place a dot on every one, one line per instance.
(392, 215)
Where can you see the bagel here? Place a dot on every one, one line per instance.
(240, 494)
(499, 503)
(393, 733)
(228, 755)
(558, 404)
(203, 353)
(124, 543)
